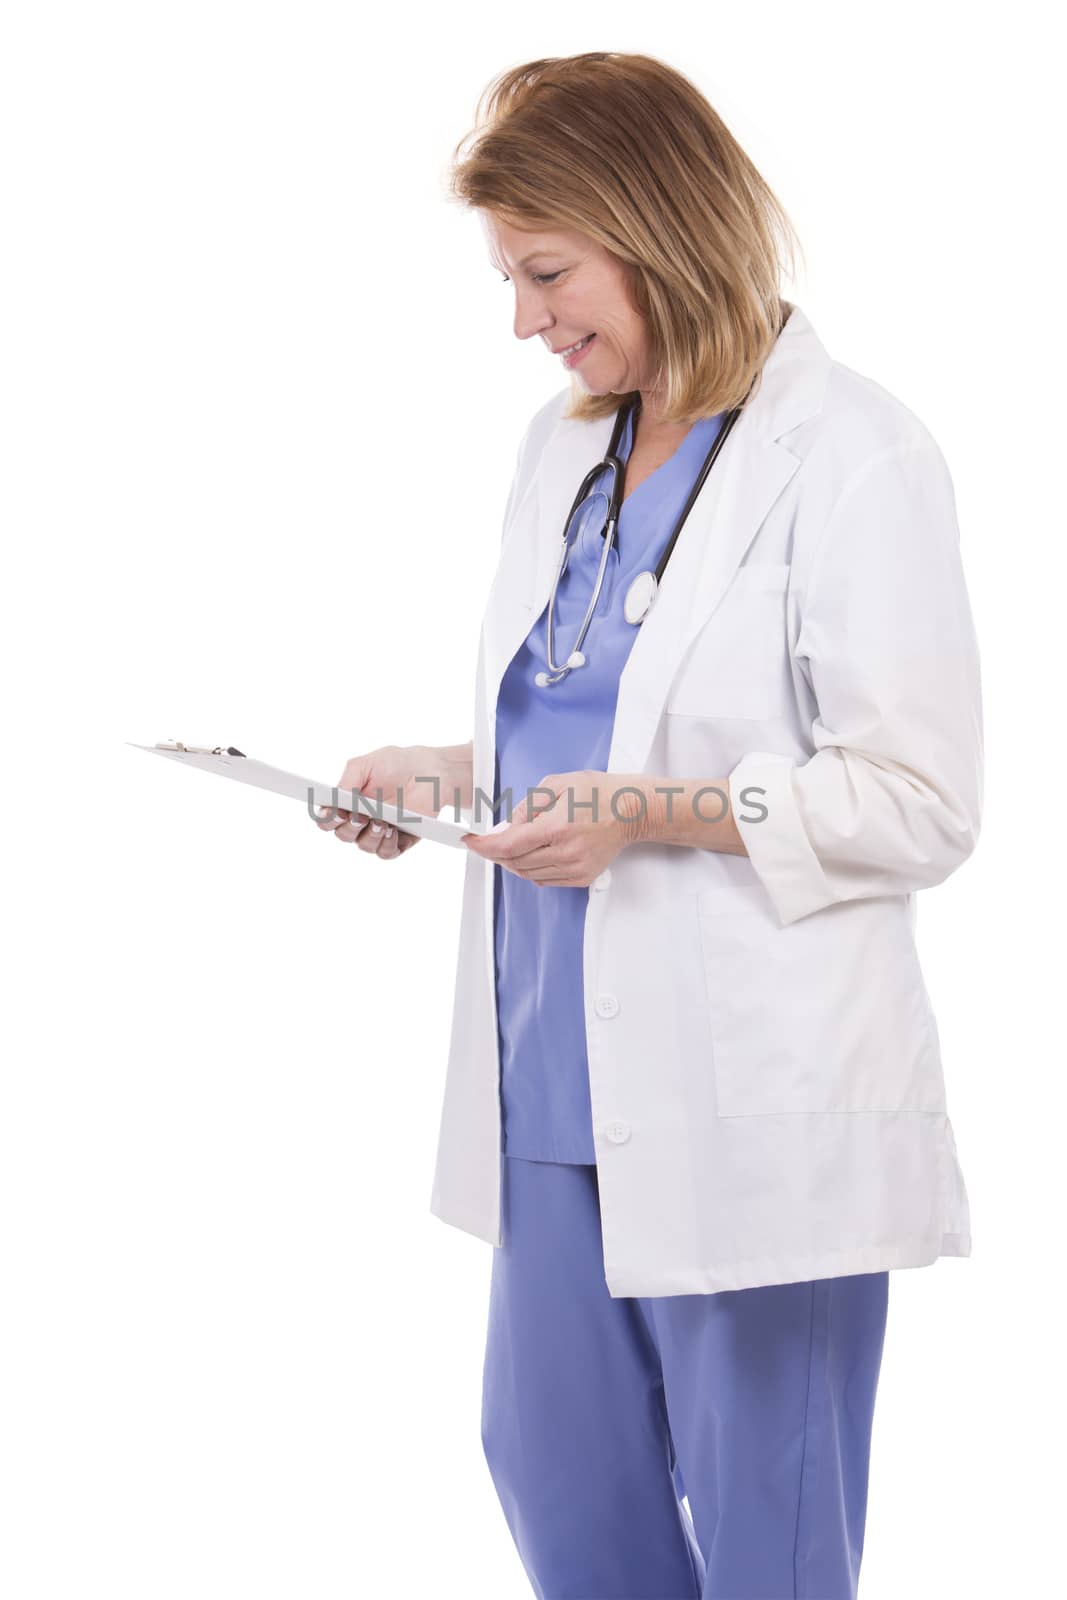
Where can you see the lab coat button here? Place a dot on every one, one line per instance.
(603, 880)
(606, 1005)
(618, 1132)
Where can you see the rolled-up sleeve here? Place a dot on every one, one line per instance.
(891, 799)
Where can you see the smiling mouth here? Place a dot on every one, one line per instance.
(580, 344)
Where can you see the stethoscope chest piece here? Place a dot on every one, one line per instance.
(639, 597)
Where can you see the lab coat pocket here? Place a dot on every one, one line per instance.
(827, 1014)
(736, 665)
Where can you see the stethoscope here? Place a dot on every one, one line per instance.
(642, 591)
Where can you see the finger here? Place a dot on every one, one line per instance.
(354, 826)
(351, 829)
(491, 836)
(511, 844)
(388, 849)
(539, 862)
(328, 818)
(372, 838)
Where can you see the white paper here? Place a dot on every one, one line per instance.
(243, 769)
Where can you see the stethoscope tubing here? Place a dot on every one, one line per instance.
(617, 468)
(709, 461)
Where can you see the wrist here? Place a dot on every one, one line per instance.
(638, 811)
(455, 767)
(694, 813)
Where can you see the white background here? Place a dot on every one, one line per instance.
(261, 402)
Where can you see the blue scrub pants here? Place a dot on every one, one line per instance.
(599, 1414)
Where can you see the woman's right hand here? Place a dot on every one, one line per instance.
(387, 769)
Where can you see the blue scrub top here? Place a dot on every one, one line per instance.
(567, 727)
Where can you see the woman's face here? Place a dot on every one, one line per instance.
(567, 286)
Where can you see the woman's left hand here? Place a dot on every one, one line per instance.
(590, 817)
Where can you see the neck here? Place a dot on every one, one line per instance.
(650, 415)
(651, 425)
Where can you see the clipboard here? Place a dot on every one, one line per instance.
(228, 762)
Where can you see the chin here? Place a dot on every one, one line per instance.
(591, 385)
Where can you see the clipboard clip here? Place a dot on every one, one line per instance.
(197, 749)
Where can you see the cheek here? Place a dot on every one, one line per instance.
(578, 312)
(596, 323)
(615, 330)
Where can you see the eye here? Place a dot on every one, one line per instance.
(538, 277)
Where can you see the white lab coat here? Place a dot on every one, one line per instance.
(764, 1067)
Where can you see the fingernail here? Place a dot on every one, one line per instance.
(375, 827)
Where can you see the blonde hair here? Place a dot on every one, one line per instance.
(625, 150)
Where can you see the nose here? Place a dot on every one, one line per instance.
(531, 315)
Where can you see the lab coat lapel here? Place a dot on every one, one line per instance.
(743, 484)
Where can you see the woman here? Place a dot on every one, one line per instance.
(689, 1012)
